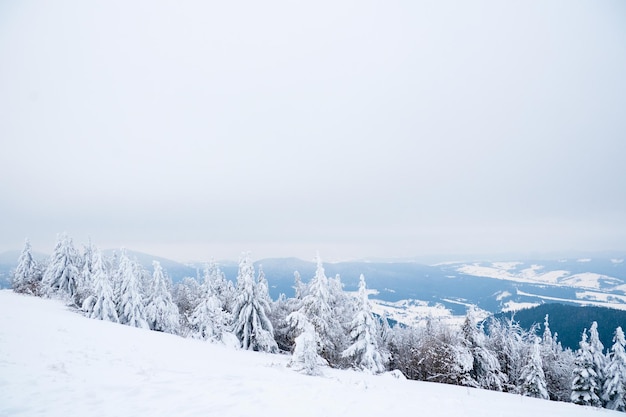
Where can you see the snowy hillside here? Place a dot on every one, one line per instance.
(55, 362)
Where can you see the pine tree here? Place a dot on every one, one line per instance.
(62, 275)
(557, 365)
(103, 306)
(27, 275)
(485, 371)
(263, 286)
(317, 309)
(585, 389)
(216, 284)
(533, 381)
(364, 350)
(207, 321)
(298, 287)
(210, 319)
(615, 383)
(597, 353)
(252, 327)
(508, 341)
(161, 312)
(284, 333)
(85, 282)
(305, 357)
(131, 308)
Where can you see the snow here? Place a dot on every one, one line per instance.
(502, 295)
(506, 265)
(589, 280)
(535, 275)
(412, 312)
(504, 271)
(55, 362)
(584, 302)
(600, 296)
(515, 306)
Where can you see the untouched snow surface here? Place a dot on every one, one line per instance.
(54, 362)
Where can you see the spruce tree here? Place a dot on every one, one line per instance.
(585, 389)
(305, 357)
(210, 319)
(485, 370)
(252, 326)
(85, 280)
(317, 309)
(298, 287)
(161, 312)
(131, 309)
(103, 306)
(216, 284)
(62, 275)
(364, 351)
(597, 353)
(615, 383)
(27, 275)
(508, 341)
(207, 321)
(533, 381)
(557, 365)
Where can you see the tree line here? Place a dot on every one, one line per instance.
(322, 325)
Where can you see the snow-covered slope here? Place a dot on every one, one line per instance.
(54, 362)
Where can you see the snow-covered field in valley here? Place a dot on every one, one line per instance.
(55, 362)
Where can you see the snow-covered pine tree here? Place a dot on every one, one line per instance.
(532, 379)
(187, 295)
(62, 275)
(131, 309)
(614, 393)
(557, 365)
(207, 321)
(85, 282)
(344, 309)
(364, 351)
(305, 357)
(384, 336)
(161, 312)
(210, 320)
(547, 340)
(485, 371)
(215, 283)
(298, 287)
(263, 286)
(599, 359)
(251, 325)
(27, 275)
(284, 333)
(317, 309)
(509, 342)
(585, 389)
(103, 306)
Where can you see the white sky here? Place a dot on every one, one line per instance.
(357, 128)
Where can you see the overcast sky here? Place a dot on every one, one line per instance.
(393, 128)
